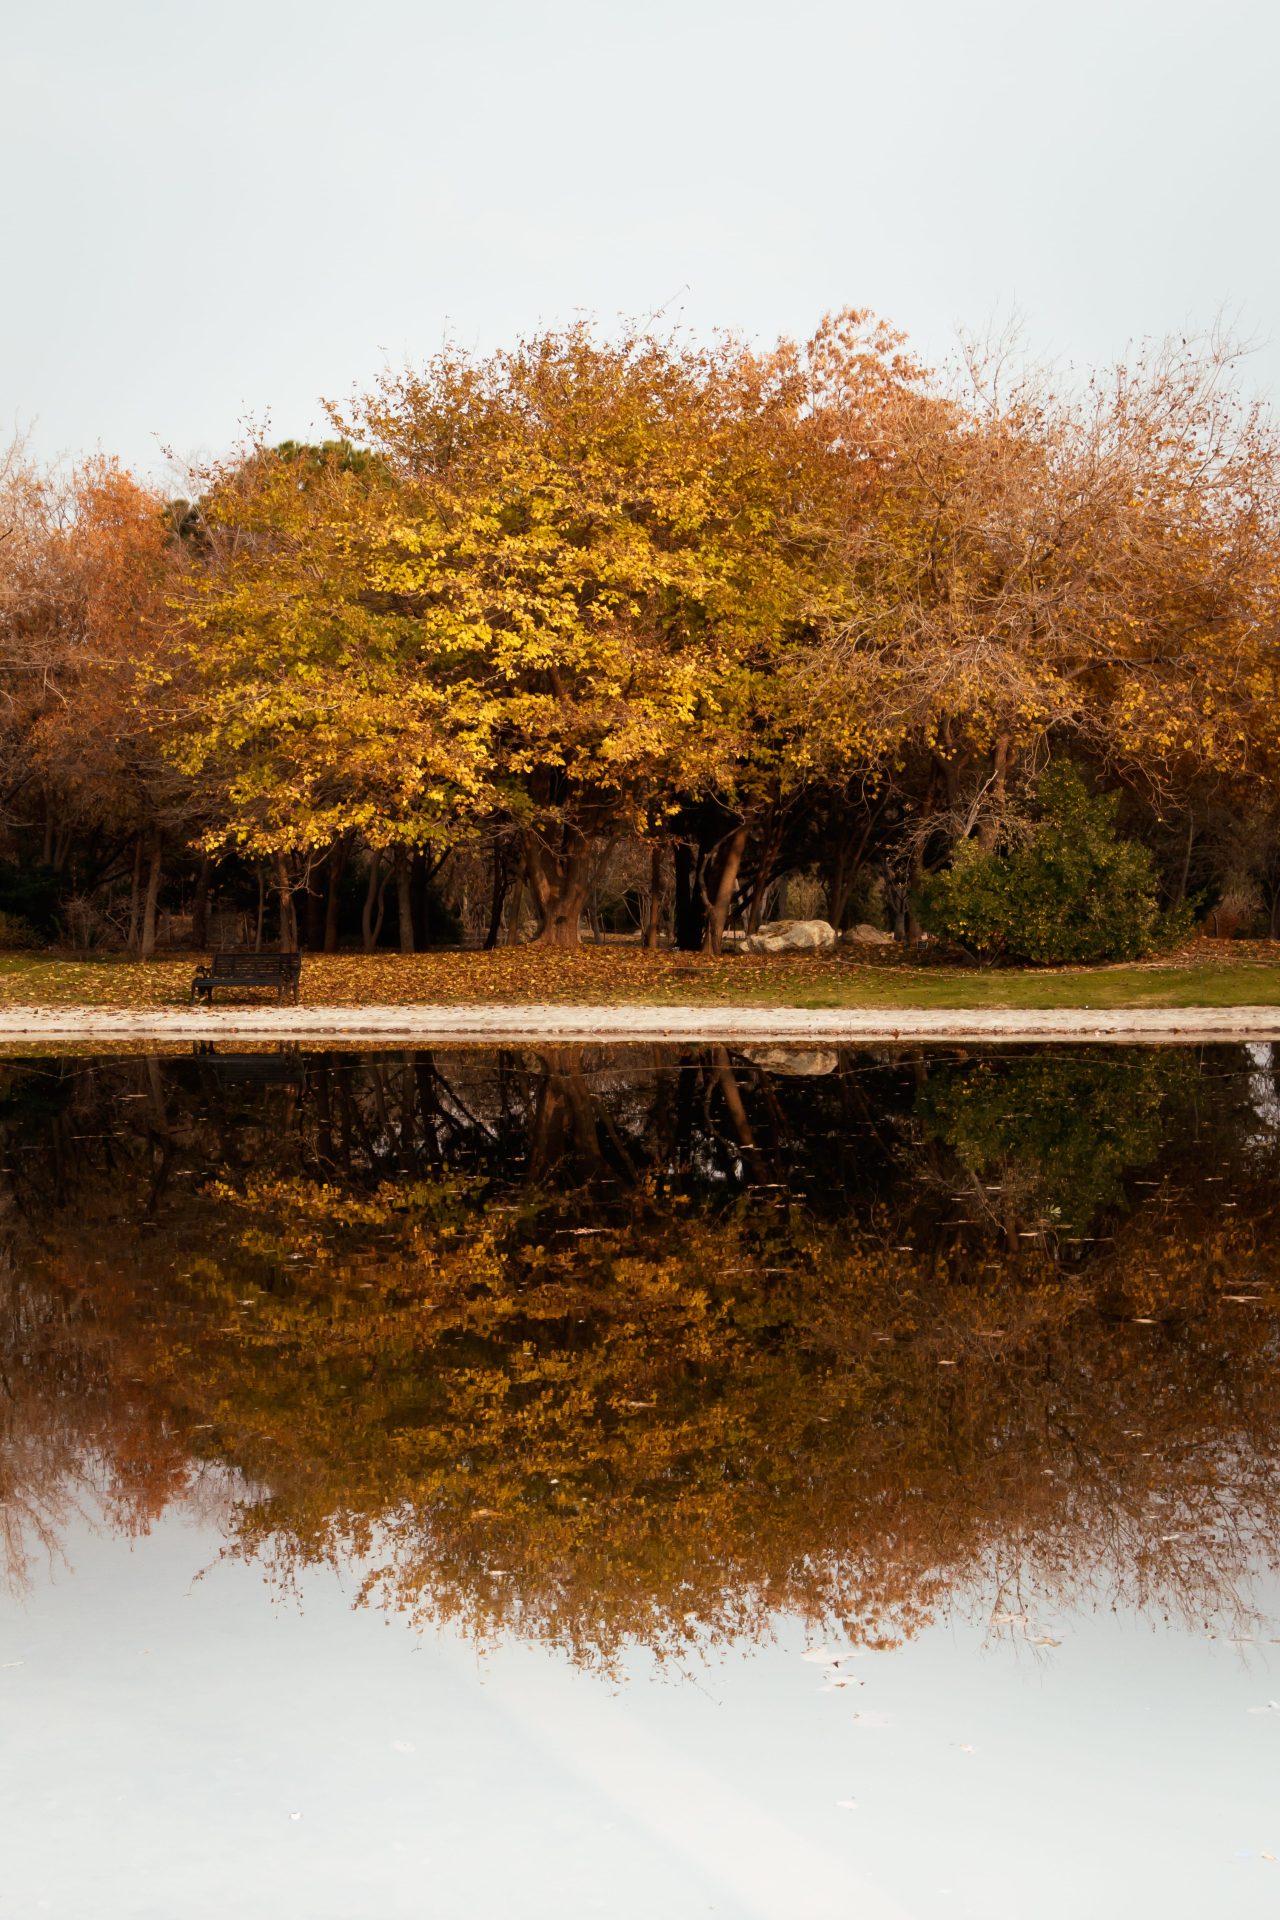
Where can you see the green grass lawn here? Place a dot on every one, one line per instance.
(1208, 974)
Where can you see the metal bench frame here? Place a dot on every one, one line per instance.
(279, 970)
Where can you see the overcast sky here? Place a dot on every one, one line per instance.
(212, 214)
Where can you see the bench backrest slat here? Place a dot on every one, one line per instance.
(274, 965)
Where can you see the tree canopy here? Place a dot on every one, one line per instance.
(530, 614)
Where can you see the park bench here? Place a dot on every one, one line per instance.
(279, 970)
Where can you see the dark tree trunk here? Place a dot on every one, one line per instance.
(559, 882)
(404, 898)
(148, 943)
(425, 870)
(288, 918)
(770, 847)
(200, 905)
(690, 912)
(375, 896)
(719, 896)
(895, 900)
(847, 859)
(1180, 891)
(339, 853)
(653, 917)
(313, 915)
(135, 896)
(498, 898)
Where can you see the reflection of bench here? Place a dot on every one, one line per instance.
(279, 970)
(276, 1066)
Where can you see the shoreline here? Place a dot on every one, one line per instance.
(517, 1025)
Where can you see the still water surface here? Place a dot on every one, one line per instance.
(627, 1482)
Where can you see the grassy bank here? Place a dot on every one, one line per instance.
(1207, 974)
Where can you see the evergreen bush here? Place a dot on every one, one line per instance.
(1072, 892)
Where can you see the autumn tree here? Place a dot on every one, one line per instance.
(82, 586)
(1090, 566)
(559, 591)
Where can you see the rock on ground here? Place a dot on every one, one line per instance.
(865, 935)
(791, 936)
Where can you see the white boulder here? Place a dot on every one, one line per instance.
(866, 935)
(791, 936)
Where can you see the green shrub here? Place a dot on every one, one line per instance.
(1074, 891)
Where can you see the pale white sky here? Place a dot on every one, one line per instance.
(212, 212)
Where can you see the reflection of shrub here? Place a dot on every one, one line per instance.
(1076, 1125)
(1073, 891)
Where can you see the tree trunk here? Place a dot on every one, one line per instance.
(515, 906)
(770, 848)
(498, 898)
(135, 895)
(690, 912)
(987, 831)
(403, 865)
(313, 917)
(426, 869)
(288, 918)
(262, 905)
(200, 906)
(1180, 892)
(339, 853)
(718, 903)
(653, 916)
(559, 882)
(148, 943)
(374, 901)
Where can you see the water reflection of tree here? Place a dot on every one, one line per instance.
(553, 1344)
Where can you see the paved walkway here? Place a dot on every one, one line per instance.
(530, 1025)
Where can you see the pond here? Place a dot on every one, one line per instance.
(636, 1482)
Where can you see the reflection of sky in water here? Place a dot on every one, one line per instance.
(158, 1738)
(667, 1340)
